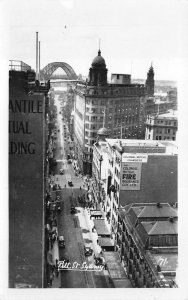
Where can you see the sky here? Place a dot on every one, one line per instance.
(133, 34)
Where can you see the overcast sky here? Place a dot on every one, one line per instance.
(132, 32)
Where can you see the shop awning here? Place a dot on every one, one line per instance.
(101, 227)
(96, 213)
(106, 243)
(114, 265)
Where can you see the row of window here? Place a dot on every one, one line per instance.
(128, 102)
(128, 91)
(166, 122)
(166, 240)
(91, 134)
(163, 138)
(117, 172)
(166, 130)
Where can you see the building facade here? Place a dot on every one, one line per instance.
(138, 171)
(28, 134)
(162, 126)
(98, 104)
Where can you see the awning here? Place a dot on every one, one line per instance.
(106, 243)
(101, 227)
(96, 213)
(115, 268)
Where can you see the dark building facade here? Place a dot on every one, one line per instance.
(28, 102)
(150, 84)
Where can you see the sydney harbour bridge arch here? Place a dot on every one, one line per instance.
(47, 72)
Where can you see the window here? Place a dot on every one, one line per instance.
(160, 137)
(117, 76)
(174, 123)
(168, 131)
(149, 136)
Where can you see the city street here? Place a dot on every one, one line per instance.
(76, 228)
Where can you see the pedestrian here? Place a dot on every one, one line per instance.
(56, 263)
(80, 188)
(65, 185)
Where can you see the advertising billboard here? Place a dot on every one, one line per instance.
(131, 176)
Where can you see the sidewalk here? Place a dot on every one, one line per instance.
(56, 282)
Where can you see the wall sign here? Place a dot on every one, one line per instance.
(134, 157)
(131, 176)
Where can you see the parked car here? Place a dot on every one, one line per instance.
(69, 161)
(73, 210)
(61, 171)
(88, 251)
(70, 183)
(61, 241)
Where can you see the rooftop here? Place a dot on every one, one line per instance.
(154, 211)
(151, 147)
(167, 261)
(171, 114)
(160, 227)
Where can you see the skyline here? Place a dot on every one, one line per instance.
(133, 34)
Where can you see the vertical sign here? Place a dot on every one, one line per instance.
(26, 184)
(131, 176)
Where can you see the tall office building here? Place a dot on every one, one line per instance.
(150, 84)
(28, 103)
(115, 106)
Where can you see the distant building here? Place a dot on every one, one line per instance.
(98, 104)
(172, 97)
(150, 83)
(155, 106)
(121, 78)
(147, 241)
(162, 126)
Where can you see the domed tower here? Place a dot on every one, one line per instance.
(150, 83)
(102, 134)
(98, 71)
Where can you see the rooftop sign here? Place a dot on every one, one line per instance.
(134, 157)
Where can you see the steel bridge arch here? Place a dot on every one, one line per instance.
(47, 71)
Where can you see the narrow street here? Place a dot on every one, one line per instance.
(76, 228)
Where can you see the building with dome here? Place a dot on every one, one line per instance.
(98, 104)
